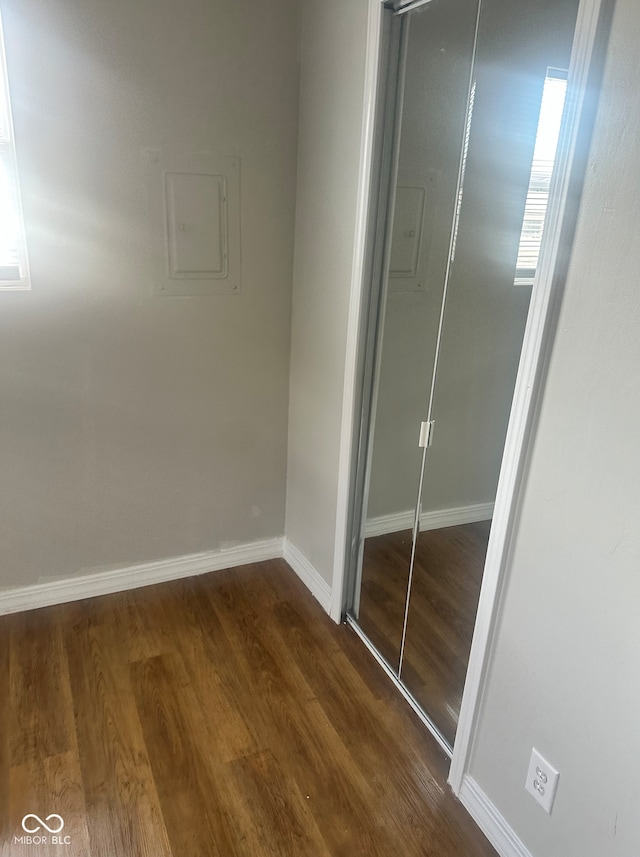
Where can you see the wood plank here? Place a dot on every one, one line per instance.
(213, 676)
(294, 725)
(64, 792)
(123, 811)
(354, 712)
(27, 796)
(221, 715)
(42, 787)
(41, 707)
(270, 814)
(189, 780)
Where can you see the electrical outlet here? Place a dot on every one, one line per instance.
(542, 780)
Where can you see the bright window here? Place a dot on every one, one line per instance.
(544, 156)
(14, 273)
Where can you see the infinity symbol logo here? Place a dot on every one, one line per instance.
(42, 823)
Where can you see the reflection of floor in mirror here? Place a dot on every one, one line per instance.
(444, 600)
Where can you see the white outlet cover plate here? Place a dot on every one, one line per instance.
(542, 780)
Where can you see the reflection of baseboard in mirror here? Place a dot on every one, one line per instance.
(430, 520)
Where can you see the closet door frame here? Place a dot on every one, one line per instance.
(587, 61)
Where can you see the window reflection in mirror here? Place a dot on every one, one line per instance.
(544, 156)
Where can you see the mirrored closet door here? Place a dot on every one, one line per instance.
(477, 90)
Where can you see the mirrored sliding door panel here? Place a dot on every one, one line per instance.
(503, 195)
(436, 61)
(478, 104)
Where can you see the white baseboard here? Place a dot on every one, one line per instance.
(311, 578)
(494, 826)
(434, 520)
(389, 524)
(49, 592)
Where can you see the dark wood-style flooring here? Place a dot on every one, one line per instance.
(222, 715)
(442, 609)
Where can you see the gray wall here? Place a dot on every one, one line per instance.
(332, 86)
(565, 666)
(136, 427)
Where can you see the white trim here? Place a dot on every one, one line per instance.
(349, 405)
(490, 821)
(49, 592)
(537, 342)
(309, 575)
(434, 520)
